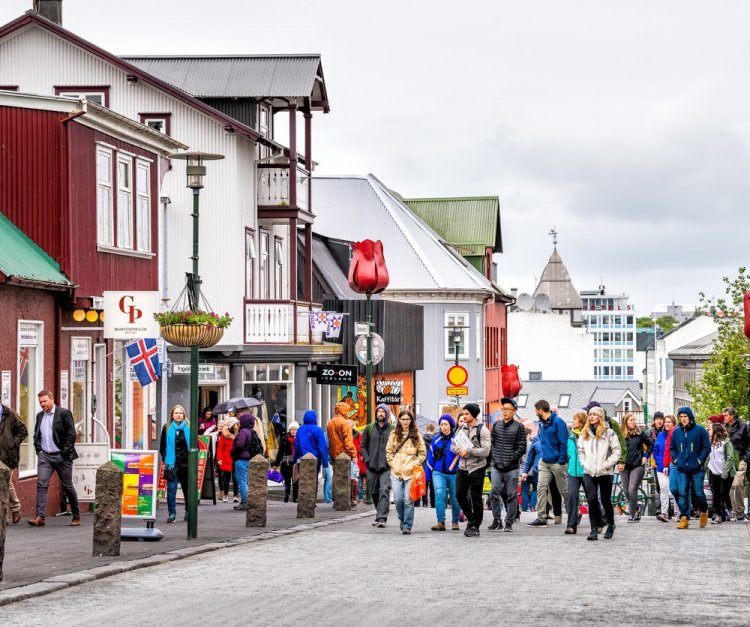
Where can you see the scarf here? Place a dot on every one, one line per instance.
(171, 456)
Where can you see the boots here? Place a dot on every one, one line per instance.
(684, 523)
(286, 496)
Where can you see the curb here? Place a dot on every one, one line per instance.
(60, 582)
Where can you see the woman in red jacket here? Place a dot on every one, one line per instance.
(228, 431)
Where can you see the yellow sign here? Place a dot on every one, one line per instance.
(457, 375)
(457, 391)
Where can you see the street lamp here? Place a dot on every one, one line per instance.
(457, 337)
(195, 171)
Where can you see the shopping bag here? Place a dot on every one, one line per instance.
(418, 484)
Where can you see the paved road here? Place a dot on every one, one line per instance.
(353, 574)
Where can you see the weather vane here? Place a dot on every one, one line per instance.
(553, 233)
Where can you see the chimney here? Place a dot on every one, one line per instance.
(50, 9)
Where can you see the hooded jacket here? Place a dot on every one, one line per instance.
(440, 458)
(310, 439)
(12, 433)
(739, 434)
(247, 444)
(575, 469)
(339, 431)
(598, 456)
(508, 441)
(553, 436)
(374, 442)
(224, 448)
(690, 445)
(660, 449)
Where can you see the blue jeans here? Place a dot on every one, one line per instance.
(686, 481)
(328, 483)
(360, 487)
(240, 471)
(402, 499)
(526, 486)
(181, 478)
(442, 483)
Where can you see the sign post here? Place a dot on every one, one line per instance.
(457, 376)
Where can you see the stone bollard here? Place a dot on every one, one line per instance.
(257, 492)
(308, 486)
(342, 483)
(4, 502)
(108, 517)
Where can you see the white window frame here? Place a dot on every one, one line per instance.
(143, 206)
(264, 270)
(251, 258)
(456, 319)
(154, 122)
(564, 401)
(38, 383)
(278, 268)
(98, 97)
(522, 400)
(105, 216)
(125, 203)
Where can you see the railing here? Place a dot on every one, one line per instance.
(273, 322)
(273, 186)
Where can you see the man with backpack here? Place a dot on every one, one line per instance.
(374, 440)
(471, 466)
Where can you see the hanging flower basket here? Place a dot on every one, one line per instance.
(192, 328)
(183, 334)
(211, 336)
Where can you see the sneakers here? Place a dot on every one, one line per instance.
(632, 519)
(739, 517)
(537, 523)
(225, 498)
(375, 522)
(662, 518)
(171, 518)
(558, 520)
(236, 499)
(381, 524)
(508, 528)
(704, 519)
(438, 527)
(455, 527)
(495, 526)
(471, 531)
(609, 532)
(570, 531)
(684, 523)
(406, 531)
(594, 535)
(240, 507)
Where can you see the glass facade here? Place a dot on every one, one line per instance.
(611, 320)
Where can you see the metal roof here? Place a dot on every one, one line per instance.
(700, 350)
(23, 261)
(332, 274)
(241, 76)
(354, 208)
(556, 283)
(469, 224)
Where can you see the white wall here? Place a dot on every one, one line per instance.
(548, 343)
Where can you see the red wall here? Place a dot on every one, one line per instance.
(495, 322)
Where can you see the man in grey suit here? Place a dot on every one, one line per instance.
(54, 441)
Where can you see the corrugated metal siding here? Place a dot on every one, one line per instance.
(30, 176)
(241, 109)
(468, 223)
(222, 77)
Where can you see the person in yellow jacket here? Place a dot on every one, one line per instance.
(339, 431)
(404, 451)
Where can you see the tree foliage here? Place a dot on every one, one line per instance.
(725, 379)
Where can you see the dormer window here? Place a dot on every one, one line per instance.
(98, 94)
(161, 122)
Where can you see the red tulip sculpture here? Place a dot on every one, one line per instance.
(367, 271)
(511, 381)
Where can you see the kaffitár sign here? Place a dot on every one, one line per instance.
(388, 391)
(130, 315)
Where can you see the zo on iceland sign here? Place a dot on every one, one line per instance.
(130, 315)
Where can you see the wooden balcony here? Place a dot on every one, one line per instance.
(280, 322)
(275, 197)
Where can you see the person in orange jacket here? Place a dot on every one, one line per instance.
(340, 433)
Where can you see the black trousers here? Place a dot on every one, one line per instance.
(596, 487)
(720, 489)
(287, 470)
(469, 493)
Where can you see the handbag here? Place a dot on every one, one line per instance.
(418, 486)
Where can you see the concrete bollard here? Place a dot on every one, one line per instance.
(257, 492)
(108, 517)
(342, 483)
(308, 486)
(4, 503)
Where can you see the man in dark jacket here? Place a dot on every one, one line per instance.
(739, 434)
(508, 438)
(374, 440)
(12, 433)
(690, 448)
(54, 441)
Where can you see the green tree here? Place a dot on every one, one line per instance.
(644, 323)
(724, 379)
(666, 323)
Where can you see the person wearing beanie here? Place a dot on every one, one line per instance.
(657, 426)
(246, 445)
(374, 443)
(284, 461)
(339, 431)
(661, 458)
(441, 469)
(472, 444)
(689, 449)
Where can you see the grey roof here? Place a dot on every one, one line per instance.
(556, 284)
(354, 208)
(245, 76)
(699, 350)
(324, 261)
(606, 393)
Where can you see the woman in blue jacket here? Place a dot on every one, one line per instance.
(575, 472)
(441, 468)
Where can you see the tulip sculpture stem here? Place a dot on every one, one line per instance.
(368, 365)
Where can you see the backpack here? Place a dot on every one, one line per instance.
(478, 443)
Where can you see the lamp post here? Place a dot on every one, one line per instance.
(195, 171)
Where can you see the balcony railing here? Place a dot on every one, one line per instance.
(273, 322)
(273, 186)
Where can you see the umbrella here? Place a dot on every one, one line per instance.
(236, 404)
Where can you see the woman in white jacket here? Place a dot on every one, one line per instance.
(598, 451)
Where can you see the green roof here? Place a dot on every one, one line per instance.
(21, 259)
(470, 224)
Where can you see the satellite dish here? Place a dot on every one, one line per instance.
(524, 302)
(542, 302)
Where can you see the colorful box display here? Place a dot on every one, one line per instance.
(138, 482)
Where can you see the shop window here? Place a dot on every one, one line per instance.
(29, 381)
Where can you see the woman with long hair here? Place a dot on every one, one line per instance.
(405, 449)
(206, 421)
(227, 432)
(638, 447)
(598, 452)
(575, 472)
(173, 448)
(721, 469)
(661, 459)
(284, 462)
(441, 468)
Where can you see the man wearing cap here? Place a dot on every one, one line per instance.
(553, 435)
(508, 443)
(739, 435)
(689, 449)
(374, 441)
(471, 468)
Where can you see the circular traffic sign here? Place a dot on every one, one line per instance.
(378, 349)
(457, 375)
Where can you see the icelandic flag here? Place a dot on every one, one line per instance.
(144, 357)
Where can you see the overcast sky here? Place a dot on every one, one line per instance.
(626, 125)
